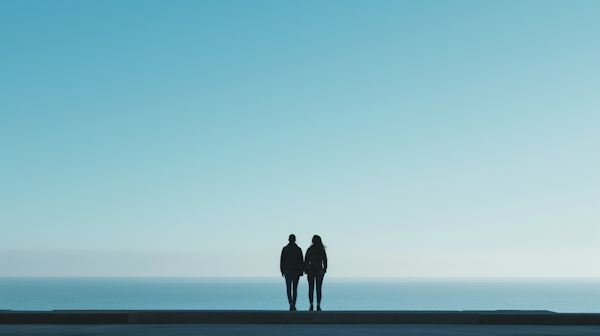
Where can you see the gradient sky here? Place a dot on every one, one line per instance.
(423, 138)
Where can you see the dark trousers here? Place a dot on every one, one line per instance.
(315, 276)
(291, 282)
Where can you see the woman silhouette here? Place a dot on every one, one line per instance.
(315, 266)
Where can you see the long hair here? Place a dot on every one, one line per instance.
(318, 243)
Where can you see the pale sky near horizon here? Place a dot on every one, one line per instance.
(190, 138)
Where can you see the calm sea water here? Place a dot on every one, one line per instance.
(560, 295)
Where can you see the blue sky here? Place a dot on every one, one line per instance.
(429, 138)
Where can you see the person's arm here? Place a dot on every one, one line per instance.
(301, 259)
(281, 261)
(304, 263)
(324, 262)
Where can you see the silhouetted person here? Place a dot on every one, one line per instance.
(292, 268)
(315, 267)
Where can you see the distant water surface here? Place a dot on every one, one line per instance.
(559, 295)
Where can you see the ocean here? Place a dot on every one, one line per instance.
(559, 295)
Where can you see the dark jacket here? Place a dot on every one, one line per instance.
(291, 258)
(316, 258)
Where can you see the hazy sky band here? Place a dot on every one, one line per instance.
(425, 138)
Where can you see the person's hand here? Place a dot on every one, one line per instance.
(282, 274)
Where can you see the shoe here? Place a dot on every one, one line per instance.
(318, 308)
(311, 308)
(293, 308)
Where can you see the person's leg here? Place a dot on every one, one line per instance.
(319, 280)
(288, 285)
(311, 286)
(295, 289)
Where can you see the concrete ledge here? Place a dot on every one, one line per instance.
(541, 319)
(82, 317)
(279, 317)
(213, 317)
(383, 317)
(285, 317)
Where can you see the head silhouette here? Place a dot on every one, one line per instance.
(292, 238)
(316, 240)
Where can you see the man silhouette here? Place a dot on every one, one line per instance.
(292, 268)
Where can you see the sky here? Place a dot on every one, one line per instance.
(190, 138)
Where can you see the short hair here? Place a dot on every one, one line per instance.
(292, 238)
